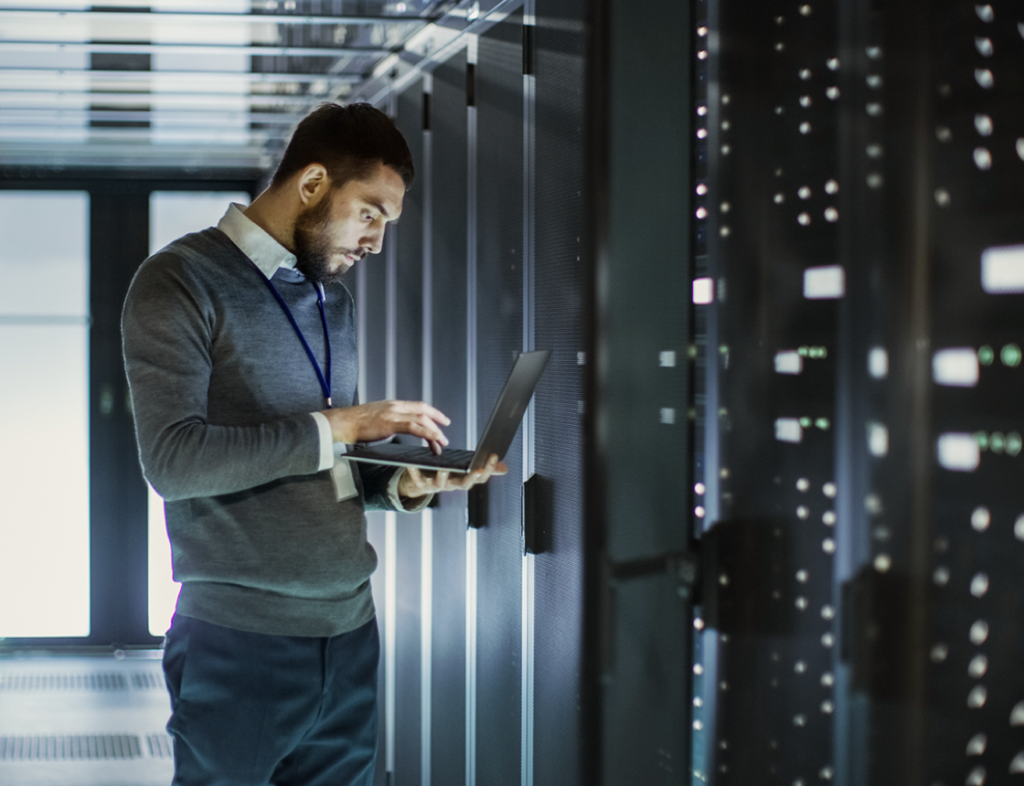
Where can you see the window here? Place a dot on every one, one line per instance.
(171, 215)
(44, 414)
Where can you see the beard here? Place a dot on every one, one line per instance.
(313, 249)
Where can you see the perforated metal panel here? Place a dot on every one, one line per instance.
(558, 309)
(448, 195)
(499, 107)
(373, 271)
(408, 353)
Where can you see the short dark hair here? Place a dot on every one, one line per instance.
(349, 141)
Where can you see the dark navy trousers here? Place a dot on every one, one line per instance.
(248, 709)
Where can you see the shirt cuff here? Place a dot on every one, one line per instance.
(401, 503)
(323, 425)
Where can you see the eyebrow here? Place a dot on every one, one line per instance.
(379, 207)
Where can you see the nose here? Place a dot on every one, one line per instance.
(373, 240)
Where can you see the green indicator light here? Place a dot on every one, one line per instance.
(805, 422)
(986, 355)
(822, 353)
(803, 352)
(1010, 355)
(982, 439)
(1013, 444)
(822, 423)
(998, 442)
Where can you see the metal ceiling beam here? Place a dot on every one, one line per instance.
(155, 98)
(117, 155)
(174, 118)
(196, 134)
(194, 49)
(273, 77)
(200, 18)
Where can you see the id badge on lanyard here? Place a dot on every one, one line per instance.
(341, 472)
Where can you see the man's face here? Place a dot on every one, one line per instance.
(347, 224)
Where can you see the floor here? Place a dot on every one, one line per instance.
(83, 720)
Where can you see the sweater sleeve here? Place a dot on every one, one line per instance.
(167, 331)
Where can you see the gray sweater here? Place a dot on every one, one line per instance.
(222, 390)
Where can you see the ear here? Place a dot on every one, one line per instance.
(313, 182)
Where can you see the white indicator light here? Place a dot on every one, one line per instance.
(703, 291)
(955, 367)
(878, 439)
(959, 452)
(878, 363)
(667, 359)
(789, 430)
(1002, 270)
(824, 283)
(788, 363)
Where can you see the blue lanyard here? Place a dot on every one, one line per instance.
(325, 383)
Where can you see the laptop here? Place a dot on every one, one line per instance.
(496, 439)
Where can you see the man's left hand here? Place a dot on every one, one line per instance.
(419, 483)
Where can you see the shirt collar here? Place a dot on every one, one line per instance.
(254, 241)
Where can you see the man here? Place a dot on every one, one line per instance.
(240, 349)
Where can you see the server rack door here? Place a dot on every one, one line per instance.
(448, 123)
(939, 579)
(372, 321)
(639, 470)
(558, 67)
(771, 239)
(871, 158)
(499, 303)
(408, 369)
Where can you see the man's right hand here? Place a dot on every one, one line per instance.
(383, 419)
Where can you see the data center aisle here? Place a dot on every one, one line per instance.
(84, 720)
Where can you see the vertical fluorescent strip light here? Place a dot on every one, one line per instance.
(472, 45)
(426, 642)
(1002, 270)
(959, 452)
(390, 629)
(824, 283)
(955, 367)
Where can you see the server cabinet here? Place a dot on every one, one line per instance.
(640, 561)
(498, 261)
(862, 226)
